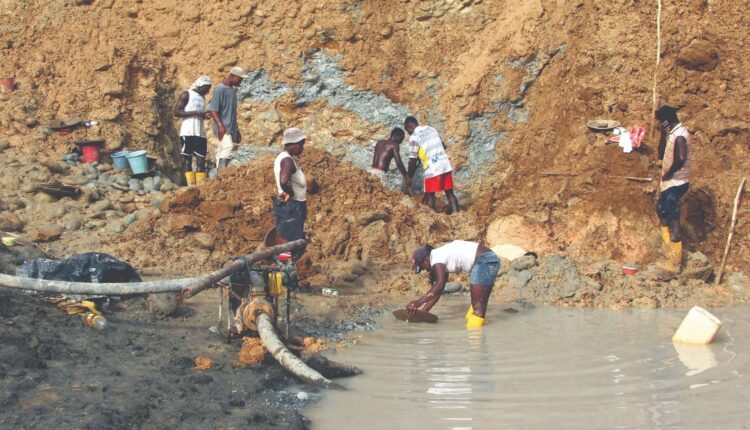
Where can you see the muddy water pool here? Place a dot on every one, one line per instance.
(543, 368)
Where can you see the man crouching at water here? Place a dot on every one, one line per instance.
(457, 256)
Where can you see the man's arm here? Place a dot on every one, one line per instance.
(179, 107)
(285, 177)
(399, 163)
(214, 107)
(679, 158)
(433, 295)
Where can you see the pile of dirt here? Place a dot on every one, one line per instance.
(351, 218)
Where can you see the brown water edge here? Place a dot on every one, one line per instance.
(543, 368)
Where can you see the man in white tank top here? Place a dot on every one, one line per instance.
(457, 256)
(290, 204)
(191, 107)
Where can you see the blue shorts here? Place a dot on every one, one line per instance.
(669, 202)
(485, 269)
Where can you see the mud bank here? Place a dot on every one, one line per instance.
(140, 372)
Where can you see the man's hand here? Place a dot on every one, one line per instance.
(284, 197)
(222, 131)
(412, 306)
(238, 138)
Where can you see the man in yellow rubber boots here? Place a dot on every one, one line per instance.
(457, 256)
(191, 107)
(675, 151)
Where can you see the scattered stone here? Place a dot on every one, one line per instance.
(204, 241)
(739, 283)
(75, 180)
(101, 206)
(148, 184)
(166, 187)
(135, 185)
(54, 212)
(163, 304)
(104, 168)
(217, 210)
(10, 222)
(74, 222)
(519, 280)
(4, 144)
(523, 263)
(43, 198)
(46, 233)
(366, 218)
(183, 222)
(452, 287)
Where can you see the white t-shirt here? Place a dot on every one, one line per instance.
(299, 186)
(193, 126)
(426, 145)
(458, 256)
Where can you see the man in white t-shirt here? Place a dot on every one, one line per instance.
(457, 256)
(425, 145)
(191, 107)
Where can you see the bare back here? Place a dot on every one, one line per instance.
(385, 151)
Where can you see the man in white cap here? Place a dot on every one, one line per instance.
(191, 107)
(223, 111)
(290, 205)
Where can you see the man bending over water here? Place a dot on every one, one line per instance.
(457, 256)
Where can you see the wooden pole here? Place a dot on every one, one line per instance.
(731, 231)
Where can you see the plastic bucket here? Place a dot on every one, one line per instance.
(119, 160)
(90, 153)
(7, 84)
(138, 161)
(698, 327)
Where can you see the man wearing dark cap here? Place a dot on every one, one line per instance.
(675, 152)
(290, 205)
(457, 256)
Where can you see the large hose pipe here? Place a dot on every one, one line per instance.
(187, 286)
(286, 359)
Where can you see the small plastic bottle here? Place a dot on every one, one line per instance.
(90, 123)
(97, 322)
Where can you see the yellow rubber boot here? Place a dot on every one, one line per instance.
(676, 255)
(190, 178)
(200, 177)
(666, 241)
(470, 311)
(474, 322)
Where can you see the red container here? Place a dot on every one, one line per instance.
(629, 270)
(90, 153)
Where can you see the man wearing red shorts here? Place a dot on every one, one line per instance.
(425, 145)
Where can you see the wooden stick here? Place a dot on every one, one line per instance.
(731, 231)
(558, 174)
(632, 178)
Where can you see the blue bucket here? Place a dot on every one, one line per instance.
(119, 160)
(138, 161)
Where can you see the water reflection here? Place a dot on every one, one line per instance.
(539, 369)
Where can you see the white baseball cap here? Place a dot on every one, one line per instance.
(238, 71)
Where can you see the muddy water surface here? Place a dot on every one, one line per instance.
(544, 368)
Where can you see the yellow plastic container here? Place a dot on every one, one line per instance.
(699, 327)
(275, 283)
